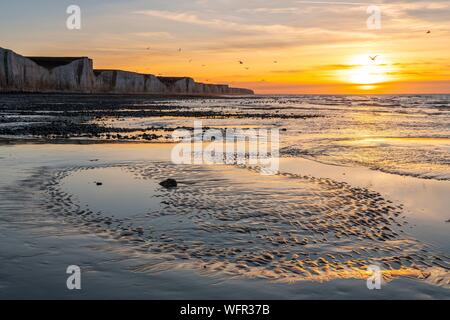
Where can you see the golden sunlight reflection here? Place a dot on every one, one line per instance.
(367, 70)
(367, 87)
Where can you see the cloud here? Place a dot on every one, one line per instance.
(159, 35)
(189, 18)
(275, 29)
(269, 10)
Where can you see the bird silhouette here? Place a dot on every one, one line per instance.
(428, 31)
(241, 62)
(373, 58)
(275, 62)
(179, 50)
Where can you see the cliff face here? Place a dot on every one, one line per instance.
(117, 81)
(177, 84)
(18, 73)
(40, 74)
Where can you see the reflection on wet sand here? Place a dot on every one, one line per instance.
(235, 222)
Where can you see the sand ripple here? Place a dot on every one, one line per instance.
(236, 222)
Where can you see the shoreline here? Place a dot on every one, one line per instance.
(130, 95)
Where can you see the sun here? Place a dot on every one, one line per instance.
(367, 70)
(365, 75)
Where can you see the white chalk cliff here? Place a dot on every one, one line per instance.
(67, 74)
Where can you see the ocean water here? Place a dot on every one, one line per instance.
(401, 134)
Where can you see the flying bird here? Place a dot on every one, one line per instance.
(428, 31)
(373, 58)
(275, 62)
(241, 62)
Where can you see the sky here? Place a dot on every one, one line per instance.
(283, 46)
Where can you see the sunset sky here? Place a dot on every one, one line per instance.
(285, 46)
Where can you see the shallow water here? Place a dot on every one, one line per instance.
(225, 229)
(120, 194)
(406, 135)
(400, 134)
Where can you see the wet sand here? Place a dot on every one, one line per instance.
(225, 232)
(425, 201)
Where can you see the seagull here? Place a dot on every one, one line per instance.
(373, 58)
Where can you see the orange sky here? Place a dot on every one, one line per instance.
(285, 46)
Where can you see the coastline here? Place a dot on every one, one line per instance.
(77, 75)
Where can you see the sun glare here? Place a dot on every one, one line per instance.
(367, 75)
(367, 71)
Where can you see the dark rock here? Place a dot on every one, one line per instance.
(126, 233)
(169, 183)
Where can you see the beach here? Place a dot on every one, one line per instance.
(362, 180)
